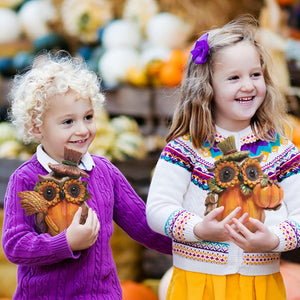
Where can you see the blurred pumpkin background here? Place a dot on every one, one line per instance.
(139, 49)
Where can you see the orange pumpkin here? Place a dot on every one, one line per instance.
(136, 291)
(62, 215)
(286, 2)
(269, 196)
(170, 75)
(232, 198)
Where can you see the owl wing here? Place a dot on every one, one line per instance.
(211, 202)
(33, 203)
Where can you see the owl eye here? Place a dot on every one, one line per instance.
(252, 172)
(74, 190)
(48, 189)
(226, 174)
(49, 193)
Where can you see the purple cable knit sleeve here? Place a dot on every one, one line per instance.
(130, 215)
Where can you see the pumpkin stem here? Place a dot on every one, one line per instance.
(265, 181)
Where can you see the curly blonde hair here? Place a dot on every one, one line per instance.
(50, 74)
(194, 113)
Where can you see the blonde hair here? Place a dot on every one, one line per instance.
(50, 74)
(194, 113)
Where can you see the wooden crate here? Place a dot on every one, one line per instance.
(133, 102)
(165, 100)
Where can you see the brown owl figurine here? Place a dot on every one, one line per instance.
(58, 195)
(239, 181)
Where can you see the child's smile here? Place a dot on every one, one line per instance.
(239, 86)
(69, 121)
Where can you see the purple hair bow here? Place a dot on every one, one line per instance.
(200, 51)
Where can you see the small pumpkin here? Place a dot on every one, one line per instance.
(268, 195)
(136, 291)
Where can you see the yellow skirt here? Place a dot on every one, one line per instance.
(187, 285)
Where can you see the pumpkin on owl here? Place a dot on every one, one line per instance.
(58, 195)
(239, 181)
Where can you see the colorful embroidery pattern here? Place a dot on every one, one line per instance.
(179, 153)
(278, 165)
(291, 232)
(171, 221)
(175, 225)
(203, 251)
(260, 258)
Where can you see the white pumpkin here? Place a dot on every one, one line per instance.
(124, 123)
(164, 284)
(166, 29)
(83, 19)
(129, 145)
(36, 16)
(121, 33)
(140, 10)
(10, 28)
(115, 63)
(152, 52)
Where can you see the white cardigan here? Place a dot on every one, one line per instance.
(177, 195)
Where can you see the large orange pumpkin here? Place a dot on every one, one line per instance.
(62, 215)
(136, 291)
(269, 196)
(232, 198)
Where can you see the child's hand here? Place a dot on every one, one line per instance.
(83, 236)
(263, 240)
(211, 229)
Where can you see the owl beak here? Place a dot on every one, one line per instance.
(61, 194)
(240, 177)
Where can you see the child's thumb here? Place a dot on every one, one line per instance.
(77, 215)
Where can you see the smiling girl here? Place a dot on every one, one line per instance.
(227, 91)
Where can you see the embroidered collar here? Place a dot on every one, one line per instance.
(242, 137)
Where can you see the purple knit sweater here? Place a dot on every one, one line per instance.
(47, 268)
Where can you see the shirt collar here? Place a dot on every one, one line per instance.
(87, 163)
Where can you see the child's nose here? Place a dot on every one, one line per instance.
(247, 84)
(81, 128)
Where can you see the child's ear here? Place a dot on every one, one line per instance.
(36, 132)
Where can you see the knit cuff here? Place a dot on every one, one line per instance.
(183, 227)
(282, 244)
(288, 235)
(61, 248)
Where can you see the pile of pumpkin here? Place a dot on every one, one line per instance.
(143, 46)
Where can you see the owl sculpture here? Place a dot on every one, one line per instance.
(239, 181)
(58, 195)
